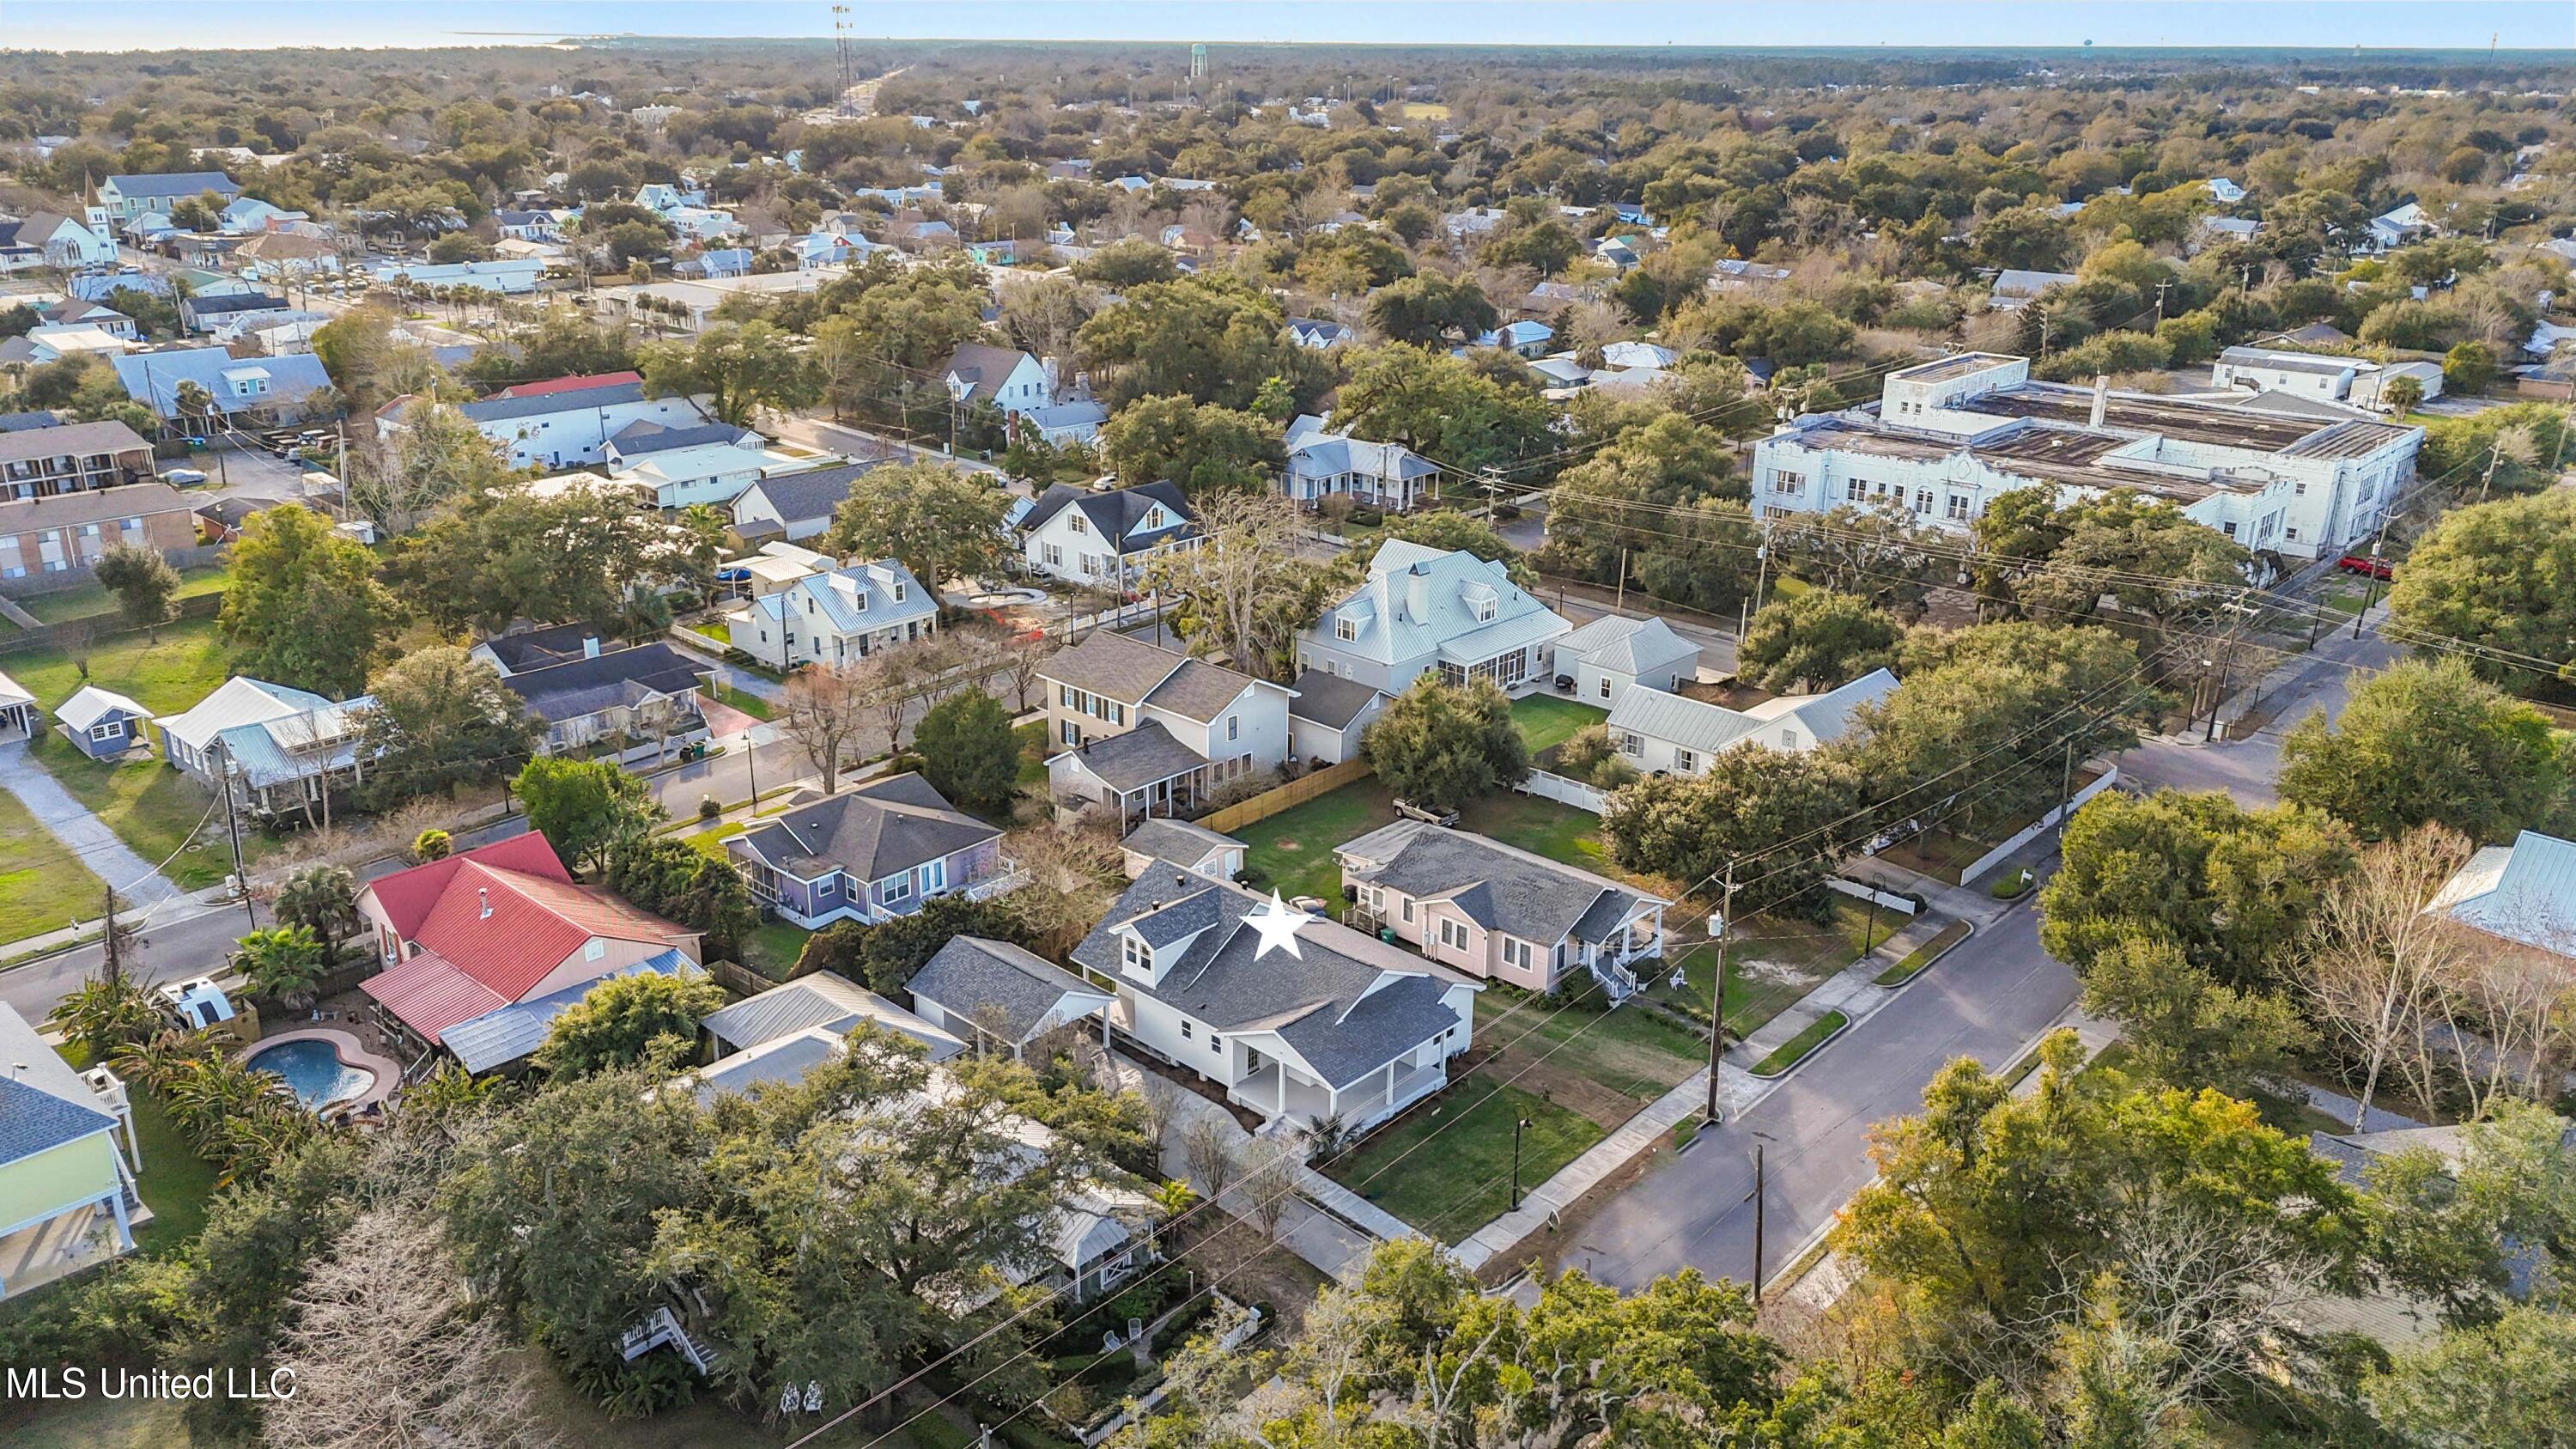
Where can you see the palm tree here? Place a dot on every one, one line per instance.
(106, 1016)
(282, 962)
(193, 402)
(1172, 1199)
(158, 1060)
(322, 898)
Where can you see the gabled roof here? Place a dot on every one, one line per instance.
(90, 505)
(1694, 724)
(1329, 699)
(824, 1000)
(500, 1037)
(1828, 714)
(1628, 646)
(1345, 1006)
(89, 706)
(1416, 603)
(811, 493)
(982, 366)
(2523, 892)
(1499, 887)
(872, 831)
(645, 436)
(55, 440)
(1113, 665)
(1003, 989)
(174, 184)
(406, 896)
(506, 408)
(1118, 515)
(240, 700)
(1177, 842)
(585, 686)
(534, 923)
(1142, 756)
(855, 598)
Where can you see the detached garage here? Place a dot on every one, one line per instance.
(1612, 655)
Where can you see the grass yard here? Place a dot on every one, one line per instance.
(713, 629)
(167, 676)
(1774, 966)
(175, 1182)
(1541, 827)
(1293, 850)
(1456, 1187)
(1633, 1054)
(1031, 741)
(92, 597)
(96, 1423)
(1544, 720)
(43, 886)
(1936, 853)
(1924, 955)
(772, 949)
(1788, 1053)
(750, 704)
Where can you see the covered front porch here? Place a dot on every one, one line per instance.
(1292, 1098)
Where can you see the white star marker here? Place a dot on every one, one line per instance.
(1278, 925)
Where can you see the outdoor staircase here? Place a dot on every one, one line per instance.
(662, 1328)
(1615, 977)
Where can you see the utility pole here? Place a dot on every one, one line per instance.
(2160, 300)
(1717, 1002)
(2370, 592)
(1622, 604)
(2066, 782)
(1760, 1180)
(232, 827)
(1518, 1127)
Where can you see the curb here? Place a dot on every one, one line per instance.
(1809, 1054)
(1919, 972)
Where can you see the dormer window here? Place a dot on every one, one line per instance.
(1154, 517)
(898, 592)
(1486, 608)
(1133, 953)
(1346, 629)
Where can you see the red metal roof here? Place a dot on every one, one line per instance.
(407, 895)
(430, 995)
(570, 384)
(507, 928)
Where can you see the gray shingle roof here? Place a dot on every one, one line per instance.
(1178, 919)
(1199, 690)
(578, 687)
(1499, 887)
(1112, 664)
(1176, 841)
(1116, 514)
(999, 987)
(871, 832)
(1329, 699)
(813, 493)
(980, 364)
(1138, 758)
(33, 1121)
(82, 438)
(502, 409)
(644, 436)
(1332, 1004)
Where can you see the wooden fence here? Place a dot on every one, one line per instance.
(1295, 792)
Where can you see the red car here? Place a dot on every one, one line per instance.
(2362, 563)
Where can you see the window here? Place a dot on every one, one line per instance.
(934, 876)
(1605, 686)
(593, 949)
(1407, 911)
(2291, 534)
(1632, 744)
(1855, 489)
(898, 888)
(1070, 733)
(1216, 1045)
(1453, 934)
(1055, 555)
(1923, 501)
(1956, 508)
(1485, 610)
(898, 594)
(1078, 523)
(1517, 953)
(1784, 481)
(1186, 1034)
(2228, 528)
(1133, 955)
(107, 730)
(2301, 489)
(1233, 728)
(1346, 628)
(1686, 761)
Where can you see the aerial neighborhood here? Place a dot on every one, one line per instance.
(1198, 745)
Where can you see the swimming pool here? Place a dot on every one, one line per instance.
(313, 1070)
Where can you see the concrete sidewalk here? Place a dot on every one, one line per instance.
(83, 834)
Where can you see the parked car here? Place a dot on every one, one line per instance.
(182, 477)
(2362, 563)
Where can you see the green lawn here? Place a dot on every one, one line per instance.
(772, 949)
(1786, 1055)
(1541, 827)
(1923, 955)
(1031, 741)
(713, 629)
(1545, 720)
(750, 704)
(1773, 964)
(1639, 1054)
(175, 1182)
(1293, 850)
(93, 598)
(1462, 1182)
(151, 808)
(43, 886)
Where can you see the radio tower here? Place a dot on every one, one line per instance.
(841, 47)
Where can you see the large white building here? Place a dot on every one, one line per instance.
(549, 427)
(1949, 437)
(1424, 610)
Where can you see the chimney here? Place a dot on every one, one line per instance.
(1054, 371)
(483, 896)
(1417, 595)
(2101, 399)
(590, 646)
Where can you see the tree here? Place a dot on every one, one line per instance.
(2468, 368)
(2402, 395)
(2233, 889)
(1199, 446)
(435, 454)
(506, 552)
(284, 963)
(648, 1017)
(1243, 591)
(967, 751)
(1792, 810)
(2378, 965)
(2184, 1029)
(320, 898)
(885, 954)
(441, 718)
(1442, 407)
(742, 370)
(2509, 1382)
(387, 1350)
(1427, 308)
(145, 585)
(2425, 742)
(1125, 264)
(2495, 575)
(583, 808)
(2141, 552)
(937, 520)
(825, 713)
(676, 879)
(431, 845)
(1440, 745)
(106, 1014)
(302, 605)
(1210, 339)
(1816, 640)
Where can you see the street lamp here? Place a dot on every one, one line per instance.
(1518, 1127)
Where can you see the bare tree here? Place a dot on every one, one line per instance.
(1268, 1182)
(2379, 964)
(1247, 540)
(386, 1351)
(825, 709)
(1207, 1148)
(1073, 876)
(1158, 1106)
(2512, 1015)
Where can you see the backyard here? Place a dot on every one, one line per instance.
(1544, 720)
(1293, 850)
(1452, 1190)
(91, 597)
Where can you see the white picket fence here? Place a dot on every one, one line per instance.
(1563, 791)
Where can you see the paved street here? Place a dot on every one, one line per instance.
(1987, 998)
(2245, 767)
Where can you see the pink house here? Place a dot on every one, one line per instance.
(1496, 911)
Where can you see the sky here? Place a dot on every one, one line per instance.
(2334, 24)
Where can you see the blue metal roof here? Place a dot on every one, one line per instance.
(498, 1038)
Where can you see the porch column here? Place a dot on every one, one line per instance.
(1390, 1081)
(124, 1228)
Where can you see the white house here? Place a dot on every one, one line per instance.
(1322, 463)
(1350, 1029)
(1000, 994)
(2018, 287)
(1104, 538)
(2303, 374)
(1329, 717)
(1004, 379)
(50, 239)
(560, 429)
(836, 617)
(1671, 734)
(2523, 893)
(1950, 436)
(1147, 731)
(712, 463)
(1603, 660)
(1423, 610)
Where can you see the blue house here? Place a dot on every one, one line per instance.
(868, 854)
(994, 253)
(101, 724)
(1524, 338)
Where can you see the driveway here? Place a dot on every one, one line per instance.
(83, 834)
